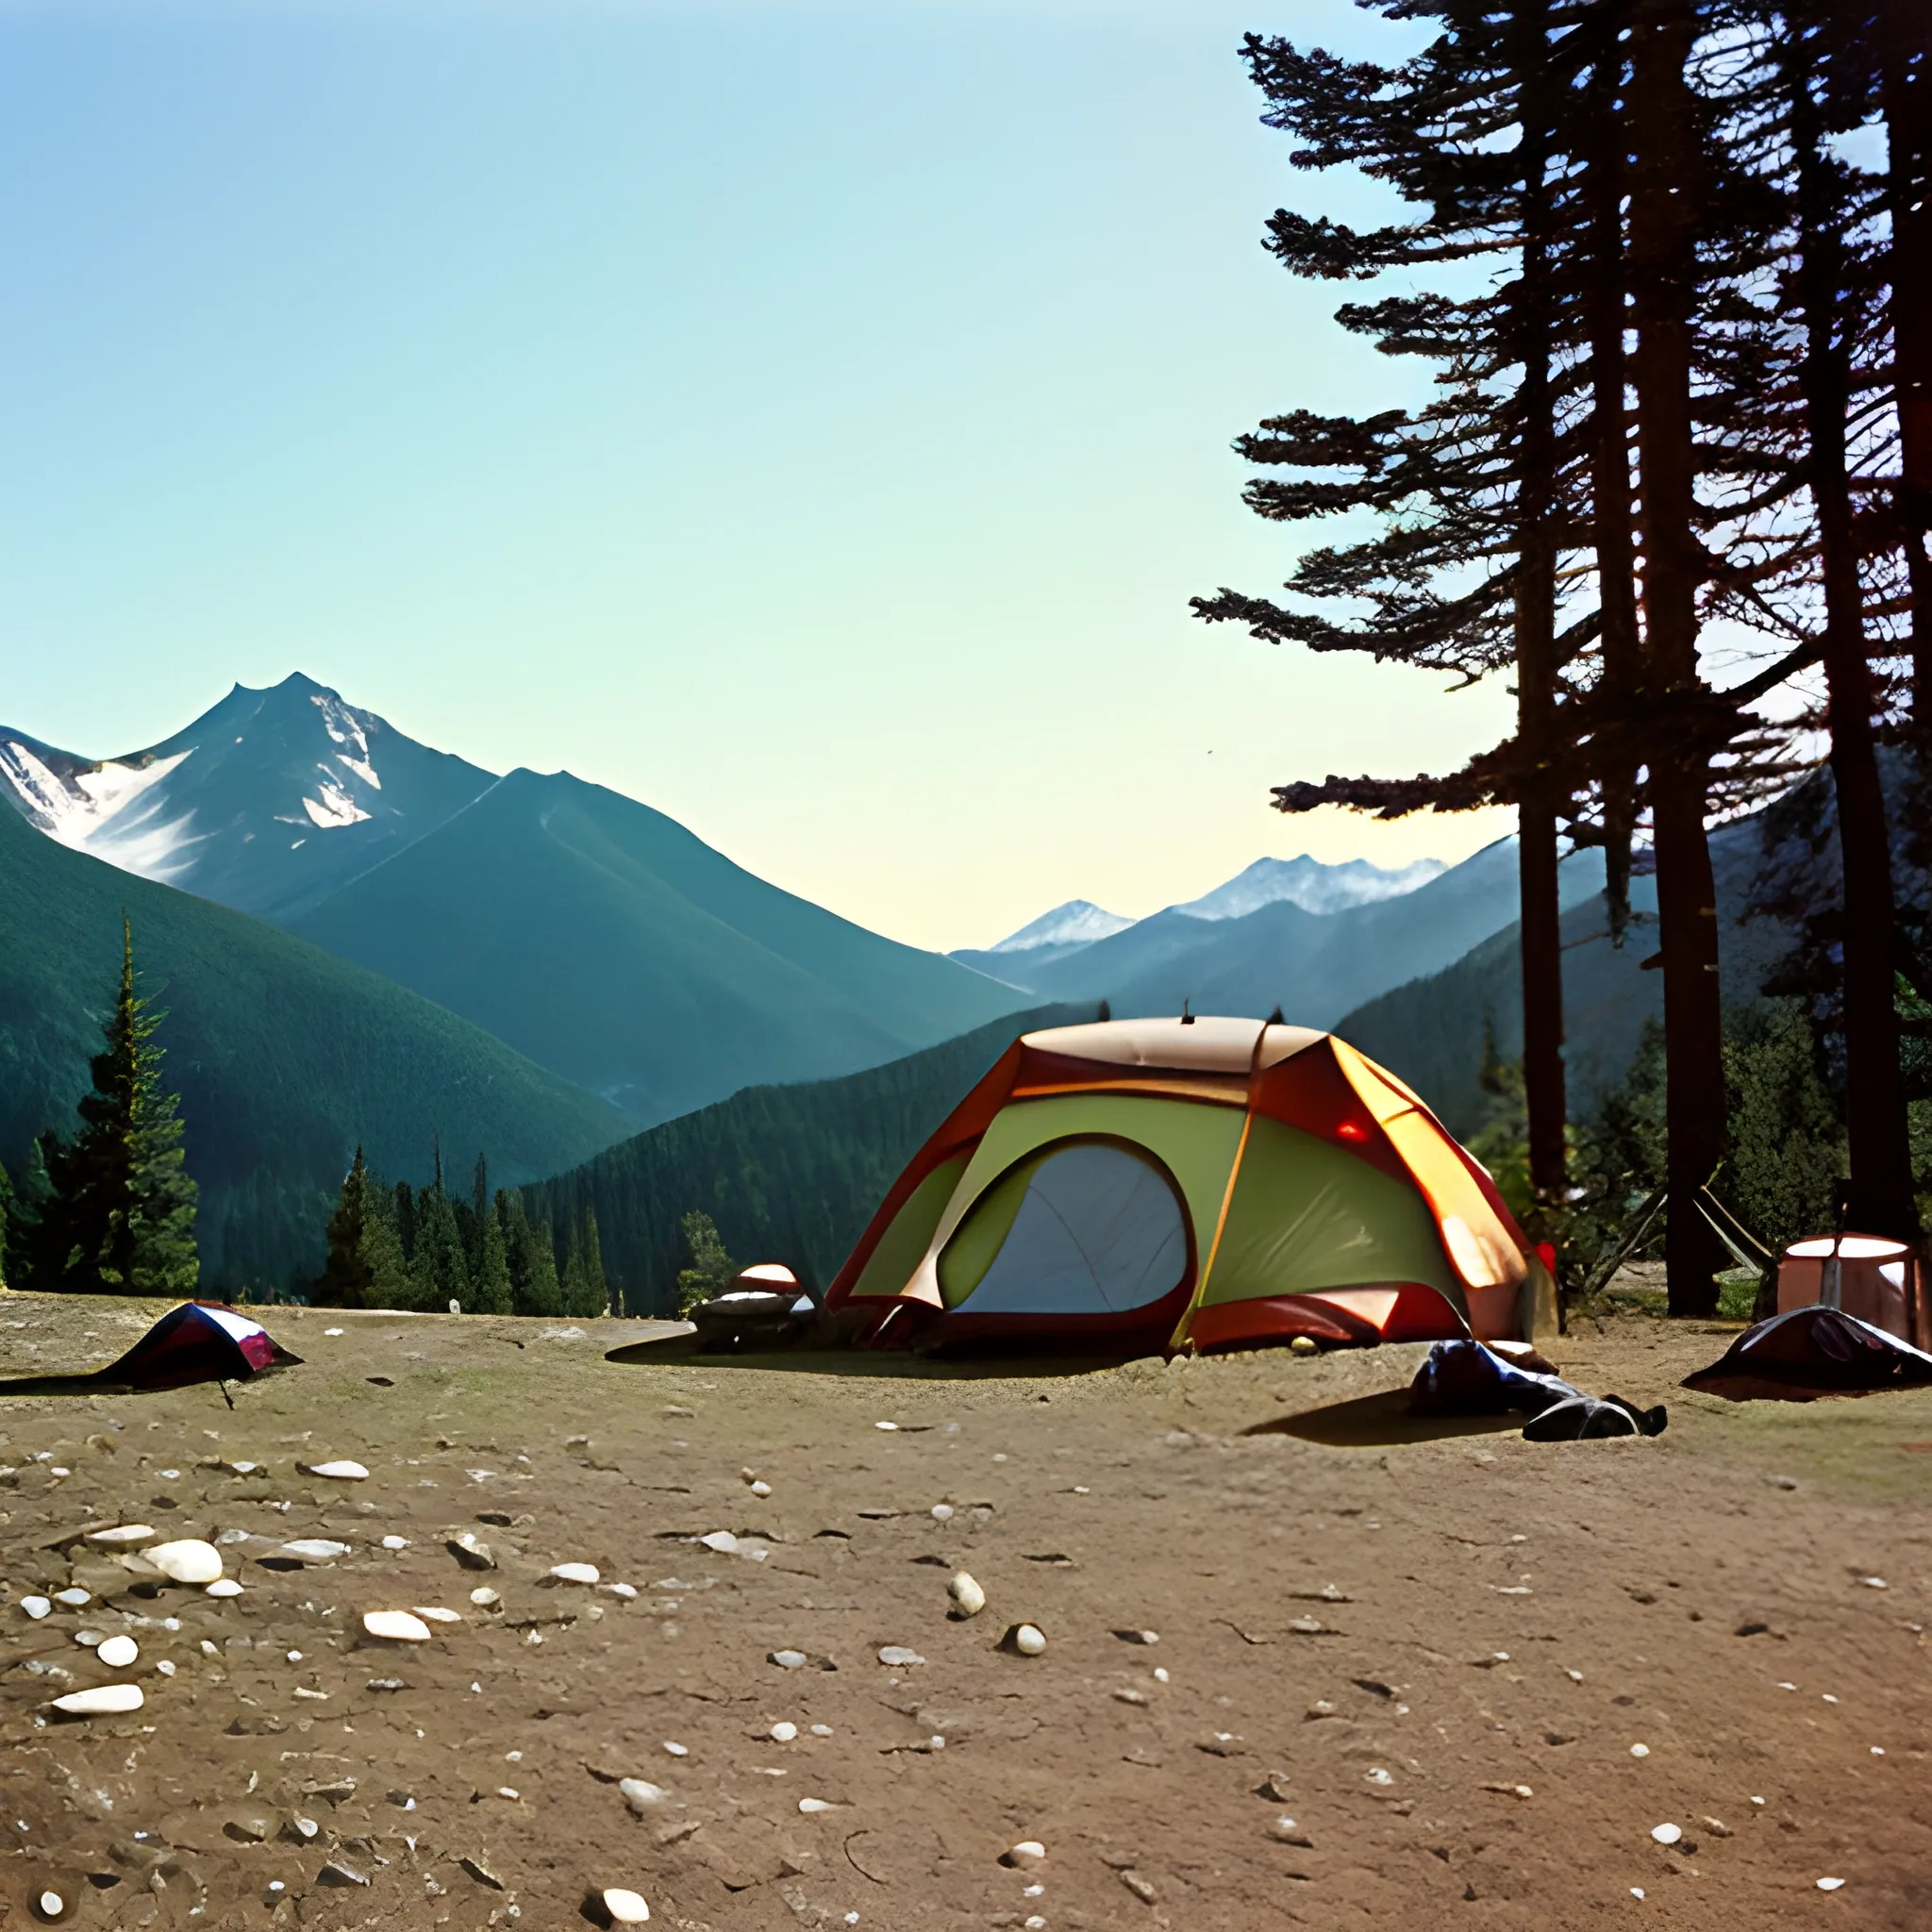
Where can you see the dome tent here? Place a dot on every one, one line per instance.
(1191, 1184)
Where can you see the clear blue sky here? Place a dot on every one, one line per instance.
(811, 419)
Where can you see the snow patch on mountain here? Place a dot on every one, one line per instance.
(1311, 885)
(1076, 924)
(334, 809)
(93, 804)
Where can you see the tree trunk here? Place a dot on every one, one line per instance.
(1879, 1199)
(1664, 194)
(1906, 52)
(1614, 528)
(1536, 731)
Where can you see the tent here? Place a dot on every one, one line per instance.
(1809, 1352)
(1192, 1184)
(198, 1342)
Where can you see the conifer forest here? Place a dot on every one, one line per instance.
(1666, 263)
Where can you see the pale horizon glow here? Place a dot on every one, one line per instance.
(809, 419)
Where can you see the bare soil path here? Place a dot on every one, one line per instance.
(1442, 1653)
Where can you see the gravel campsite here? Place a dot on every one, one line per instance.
(1298, 1669)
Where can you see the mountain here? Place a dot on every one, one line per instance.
(589, 932)
(1074, 924)
(611, 946)
(285, 1057)
(1311, 885)
(788, 1174)
(1314, 966)
(267, 801)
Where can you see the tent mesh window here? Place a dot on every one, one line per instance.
(1083, 1228)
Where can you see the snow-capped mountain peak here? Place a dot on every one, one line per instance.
(1311, 885)
(1076, 924)
(205, 810)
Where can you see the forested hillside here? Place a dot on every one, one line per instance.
(788, 1174)
(285, 1057)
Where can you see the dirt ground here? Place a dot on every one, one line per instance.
(1442, 1653)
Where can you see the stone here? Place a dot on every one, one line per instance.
(1830, 1884)
(117, 1653)
(484, 1597)
(396, 1626)
(897, 1656)
(190, 1561)
(812, 1806)
(677, 1750)
(223, 1586)
(481, 1873)
(341, 1472)
(89, 1639)
(786, 1659)
(969, 1599)
(761, 1489)
(337, 1874)
(312, 1549)
(1639, 1750)
(625, 1908)
(103, 1700)
(721, 1540)
(36, 1607)
(640, 1794)
(626, 1590)
(1275, 1786)
(1304, 1345)
(1028, 1638)
(395, 1542)
(432, 1613)
(471, 1551)
(1667, 1834)
(1138, 1886)
(1289, 1833)
(1138, 1636)
(122, 1535)
(942, 1512)
(1024, 1856)
(783, 1732)
(575, 1573)
(74, 1599)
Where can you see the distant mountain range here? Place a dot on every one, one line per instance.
(285, 1057)
(1315, 966)
(589, 932)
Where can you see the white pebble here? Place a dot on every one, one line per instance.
(1829, 1884)
(1029, 1853)
(395, 1542)
(117, 1653)
(430, 1613)
(312, 1549)
(341, 1471)
(72, 1598)
(122, 1534)
(484, 1597)
(1160, 1674)
(1636, 1892)
(889, 1426)
(223, 1586)
(789, 1660)
(396, 1626)
(508, 1791)
(1874, 1582)
(1377, 1775)
(640, 1794)
(89, 1639)
(190, 1561)
(166, 1669)
(761, 1488)
(678, 1750)
(1639, 1750)
(897, 1657)
(625, 1908)
(822, 1730)
(808, 1806)
(783, 1733)
(52, 1905)
(575, 1573)
(331, 1331)
(626, 1590)
(105, 1700)
(721, 1540)
(1667, 1834)
(36, 1607)
(1029, 1640)
(969, 1599)
(942, 1512)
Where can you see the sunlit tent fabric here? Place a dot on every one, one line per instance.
(1196, 1184)
(198, 1342)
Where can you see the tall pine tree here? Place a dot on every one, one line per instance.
(120, 1212)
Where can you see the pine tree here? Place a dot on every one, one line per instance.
(531, 1257)
(120, 1215)
(585, 1291)
(490, 1282)
(712, 1269)
(345, 1276)
(12, 1248)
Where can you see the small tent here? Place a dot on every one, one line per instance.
(1193, 1184)
(198, 1342)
